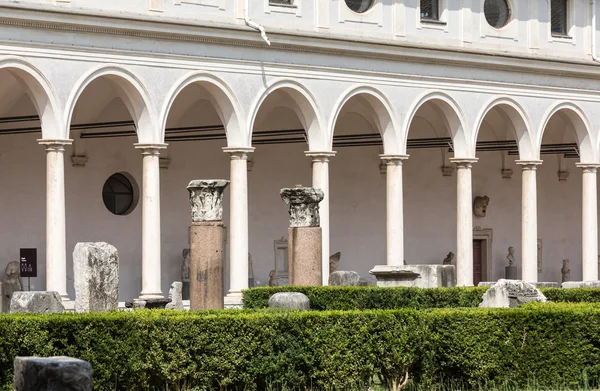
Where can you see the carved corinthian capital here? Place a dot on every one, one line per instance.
(304, 205)
(206, 199)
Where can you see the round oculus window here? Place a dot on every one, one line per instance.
(497, 13)
(360, 6)
(120, 194)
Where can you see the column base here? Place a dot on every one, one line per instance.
(146, 296)
(233, 300)
(68, 304)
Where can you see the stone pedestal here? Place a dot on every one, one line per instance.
(207, 244)
(36, 302)
(304, 236)
(510, 272)
(96, 277)
(419, 276)
(52, 373)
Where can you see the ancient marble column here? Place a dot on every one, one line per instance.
(529, 220)
(589, 220)
(464, 221)
(304, 235)
(238, 225)
(207, 244)
(56, 242)
(151, 261)
(320, 180)
(394, 209)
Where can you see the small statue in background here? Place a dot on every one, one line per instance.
(11, 282)
(566, 270)
(250, 272)
(334, 262)
(480, 205)
(185, 266)
(273, 279)
(448, 259)
(511, 256)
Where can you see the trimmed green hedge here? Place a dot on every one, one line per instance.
(553, 344)
(362, 298)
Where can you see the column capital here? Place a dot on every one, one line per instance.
(462, 162)
(150, 148)
(393, 160)
(55, 144)
(588, 167)
(527, 165)
(238, 153)
(320, 156)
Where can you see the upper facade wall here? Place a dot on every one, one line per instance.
(462, 24)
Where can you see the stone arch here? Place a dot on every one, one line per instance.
(304, 106)
(384, 116)
(41, 93)
(131, 91)
(453, 116)
(519, 120)
(223, 100)
(580, 123)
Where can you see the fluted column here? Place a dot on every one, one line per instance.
(151, 255)
(589, 222)
(529, 220)
(238, 224)
(56, 242)
(464, 221)
(320, 180)
(394, 209)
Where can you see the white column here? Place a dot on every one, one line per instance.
(394, 209)
(464, 221)
(320, 180)
(529, 238)
(151, 255)
(589, 222)
(238, 224)
(56, 237)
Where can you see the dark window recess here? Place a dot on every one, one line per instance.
(281, 2)
(558, 17)
(118, 194)
(430, 9)
(359, 6)
(497, 13)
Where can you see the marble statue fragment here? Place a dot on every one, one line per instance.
(304, 205)
(511, 294)
(565, 271)
(448, 259)
(206, 199)
(344, 278)
(36, 302)
(11, 283)
(273, 279)
(250, 272)
(334, 262)
(96, 277)
(480, 205)
(511, 256)
(185, 265)
(176, 296)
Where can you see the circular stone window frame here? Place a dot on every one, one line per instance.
(372, 4)
(135, 196)
(509, 17)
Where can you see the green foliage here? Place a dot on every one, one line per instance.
(362, 298)
(558, 345)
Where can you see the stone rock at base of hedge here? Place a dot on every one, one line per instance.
(344, 278)
(581, 284)
(96, 277)
(36, 302)
(511, 294)
(52, 374)
(289, 301)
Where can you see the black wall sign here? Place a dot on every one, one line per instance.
(28, 262)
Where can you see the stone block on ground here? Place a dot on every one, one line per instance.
(344, 278)
(36, 302)
(511, 294)
(419, 276)
(581, 284)
(96, 277)
(289, 301)
(52, 374)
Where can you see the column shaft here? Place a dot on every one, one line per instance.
(56, 243)
(394, 209)
(589, 220)
(529, 221)
(151, 238)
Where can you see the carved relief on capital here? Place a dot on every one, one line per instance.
(206, 199)
(304, 205)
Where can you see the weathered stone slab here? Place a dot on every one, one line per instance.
(419, 276)
(36, 302)
(550, 284)
(344, 278)
(289, 301)
(511, 294)
(175, 295)
(52, 374)
(581, 284)
(96, 277)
